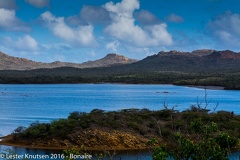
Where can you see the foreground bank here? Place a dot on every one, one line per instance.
(135, 129)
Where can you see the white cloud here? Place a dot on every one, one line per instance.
(159, 35)
(174, 18)
(82, 35)
(123, 26)
(7, 17)
(9, 21)
(25, 43)
(113, 45)
(38, 3)
(75, 20)
(8, 4)
(226, 28)
(124, 8)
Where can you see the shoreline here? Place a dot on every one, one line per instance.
(207, 87)
(8, 141)
(125, 137)
(119, 83)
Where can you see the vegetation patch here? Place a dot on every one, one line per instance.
(195, 133)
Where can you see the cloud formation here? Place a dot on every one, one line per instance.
(94, 14)
(123, 26)
(9, 21)
(147, 18)
(25, 43)
(81, 35)
(174, 18)
(8, 4)
(113, 45)
(225, 28)
(38, 3)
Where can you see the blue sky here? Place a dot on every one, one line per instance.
(82, 30)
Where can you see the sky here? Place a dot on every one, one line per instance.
(82, 30)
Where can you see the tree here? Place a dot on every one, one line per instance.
(205, 142)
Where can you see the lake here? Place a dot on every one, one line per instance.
(24, 104)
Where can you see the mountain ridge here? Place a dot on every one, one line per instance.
(205, 68)
(200, 60)
(15, 63)
(226, 54)
(197, 60)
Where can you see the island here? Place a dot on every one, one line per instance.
(134, 129)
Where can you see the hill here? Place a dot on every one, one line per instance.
(13, 63)
(135, 129)
(201, 67)
(196, 61)
(109, 60)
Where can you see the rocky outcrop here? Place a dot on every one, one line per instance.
(105, 139)
(88, 139)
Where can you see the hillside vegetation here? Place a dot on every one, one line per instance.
(165, 132)
(111, 75)
(203, 67)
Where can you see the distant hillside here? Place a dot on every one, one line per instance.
(13, 63)
(202, 67)
(108, 60)
(196, 61)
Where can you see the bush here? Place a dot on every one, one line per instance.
(211, 144)
(62, 127)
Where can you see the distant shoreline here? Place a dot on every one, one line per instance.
(122, 83)
(208, 87)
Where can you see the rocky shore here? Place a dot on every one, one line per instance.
(135, 130)
(94, 139)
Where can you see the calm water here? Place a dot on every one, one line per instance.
(24, 104)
